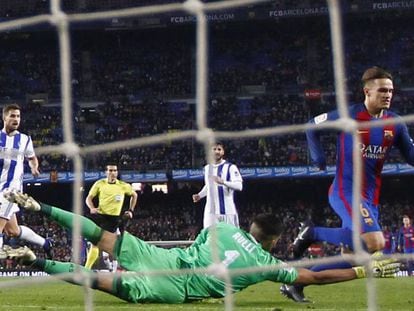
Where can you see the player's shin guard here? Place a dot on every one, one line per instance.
(89, 229)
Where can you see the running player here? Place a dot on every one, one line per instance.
(375, 146)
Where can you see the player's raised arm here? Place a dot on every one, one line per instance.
(313, 138)
(405, 144)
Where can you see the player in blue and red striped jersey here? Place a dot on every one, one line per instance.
(375, 145)
(389, 238)
(406, 241)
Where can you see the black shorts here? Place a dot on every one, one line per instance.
(107, 222)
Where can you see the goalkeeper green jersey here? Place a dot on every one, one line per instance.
(236, 249)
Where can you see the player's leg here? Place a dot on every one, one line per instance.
(3, 223)
(12, 229)
(372, 236)
(89, 229)
(309, 234)
(103, 239)
(92, 256)
(209, 219)
(93, 251)
(104, 282)
(107, 261)
(342, 206)
(111, 224)
(410, 263)
(294, 292)
(374, 241)
(7, 210)
(108, 223)
(114, 262)
(232, 219)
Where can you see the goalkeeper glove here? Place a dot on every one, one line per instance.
(386, 268)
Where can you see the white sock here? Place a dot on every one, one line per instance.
(29, 235)
(114, 266)
(106, 260)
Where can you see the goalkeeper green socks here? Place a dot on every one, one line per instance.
(57, 267)
(89, 229)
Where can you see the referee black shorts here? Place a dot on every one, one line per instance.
(107, 222)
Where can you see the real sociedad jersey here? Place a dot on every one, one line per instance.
(220, 198)
(375, 147)
(13, 150)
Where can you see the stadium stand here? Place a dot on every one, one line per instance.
(116, 97)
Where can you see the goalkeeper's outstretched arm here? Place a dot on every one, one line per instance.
(380, 269)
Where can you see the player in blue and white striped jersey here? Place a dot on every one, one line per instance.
(15, 147)
(225, 178)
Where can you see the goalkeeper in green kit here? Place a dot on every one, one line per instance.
(235, 248)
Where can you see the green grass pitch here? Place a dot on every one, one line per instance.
(393, 294)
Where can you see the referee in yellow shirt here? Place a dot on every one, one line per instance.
(110, 192)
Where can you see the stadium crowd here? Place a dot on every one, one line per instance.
(153, 75)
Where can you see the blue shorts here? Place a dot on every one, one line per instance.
(368, 212)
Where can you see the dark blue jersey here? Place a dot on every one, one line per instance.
(406, 239)
(375, 146)
(389, 238)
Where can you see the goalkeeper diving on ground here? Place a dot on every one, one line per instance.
(236, 249)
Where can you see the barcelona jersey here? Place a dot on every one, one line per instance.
(406, 239)
(375, 146)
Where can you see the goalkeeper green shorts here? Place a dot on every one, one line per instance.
(134, 254)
